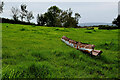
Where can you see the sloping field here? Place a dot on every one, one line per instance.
(38, 52)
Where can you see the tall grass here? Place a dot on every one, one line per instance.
(38, 52)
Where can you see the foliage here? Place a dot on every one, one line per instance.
(41, 20)
(77, 17)
(4, 20)
(29, 16)
(23, 13)
(1, 6)
(117, 21)
(56, 17)
(38, 52)
(53, 16)
(107, 27)
(15, 13)
(90, 28)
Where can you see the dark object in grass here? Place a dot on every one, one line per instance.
(33, 26)
(94, 30)
(88, 32)
(56, 29)
(87, 48)
(107, 27)
(22, 29)
(90, 28)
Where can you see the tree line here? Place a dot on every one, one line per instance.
(54, 16)
(23, 14)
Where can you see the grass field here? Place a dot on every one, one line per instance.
(38, 52)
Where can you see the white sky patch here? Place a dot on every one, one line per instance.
(60, 0)
(90, 11)
(119, 8)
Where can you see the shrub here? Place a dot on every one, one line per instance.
(89, 28)
(107, 27)
(56, 29)
(23, 29)
(33, 26)
(88, 32)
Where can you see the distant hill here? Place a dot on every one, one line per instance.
(94, 24)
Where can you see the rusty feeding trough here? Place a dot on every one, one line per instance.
(87, 48)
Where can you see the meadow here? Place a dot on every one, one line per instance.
(30, 51)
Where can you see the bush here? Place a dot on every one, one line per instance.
(89, 28)
(88, 32)
(107, 27)
(22, 29)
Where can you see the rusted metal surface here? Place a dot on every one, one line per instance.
(88, 48)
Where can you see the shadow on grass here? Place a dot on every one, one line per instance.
(98, 58)
(102, 59)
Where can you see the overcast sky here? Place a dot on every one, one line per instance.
(100, 12)
(60, 0)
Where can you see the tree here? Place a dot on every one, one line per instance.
(56, 17)
(38, 19)
(23, 12)
(77, 17)
(15, 12)
(41, 20)
(1, 7)
(29, 16)
(63, 17)
(67, 19)
(117, 21)
(69, 12)
(53, 16)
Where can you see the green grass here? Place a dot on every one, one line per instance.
(38, 52)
